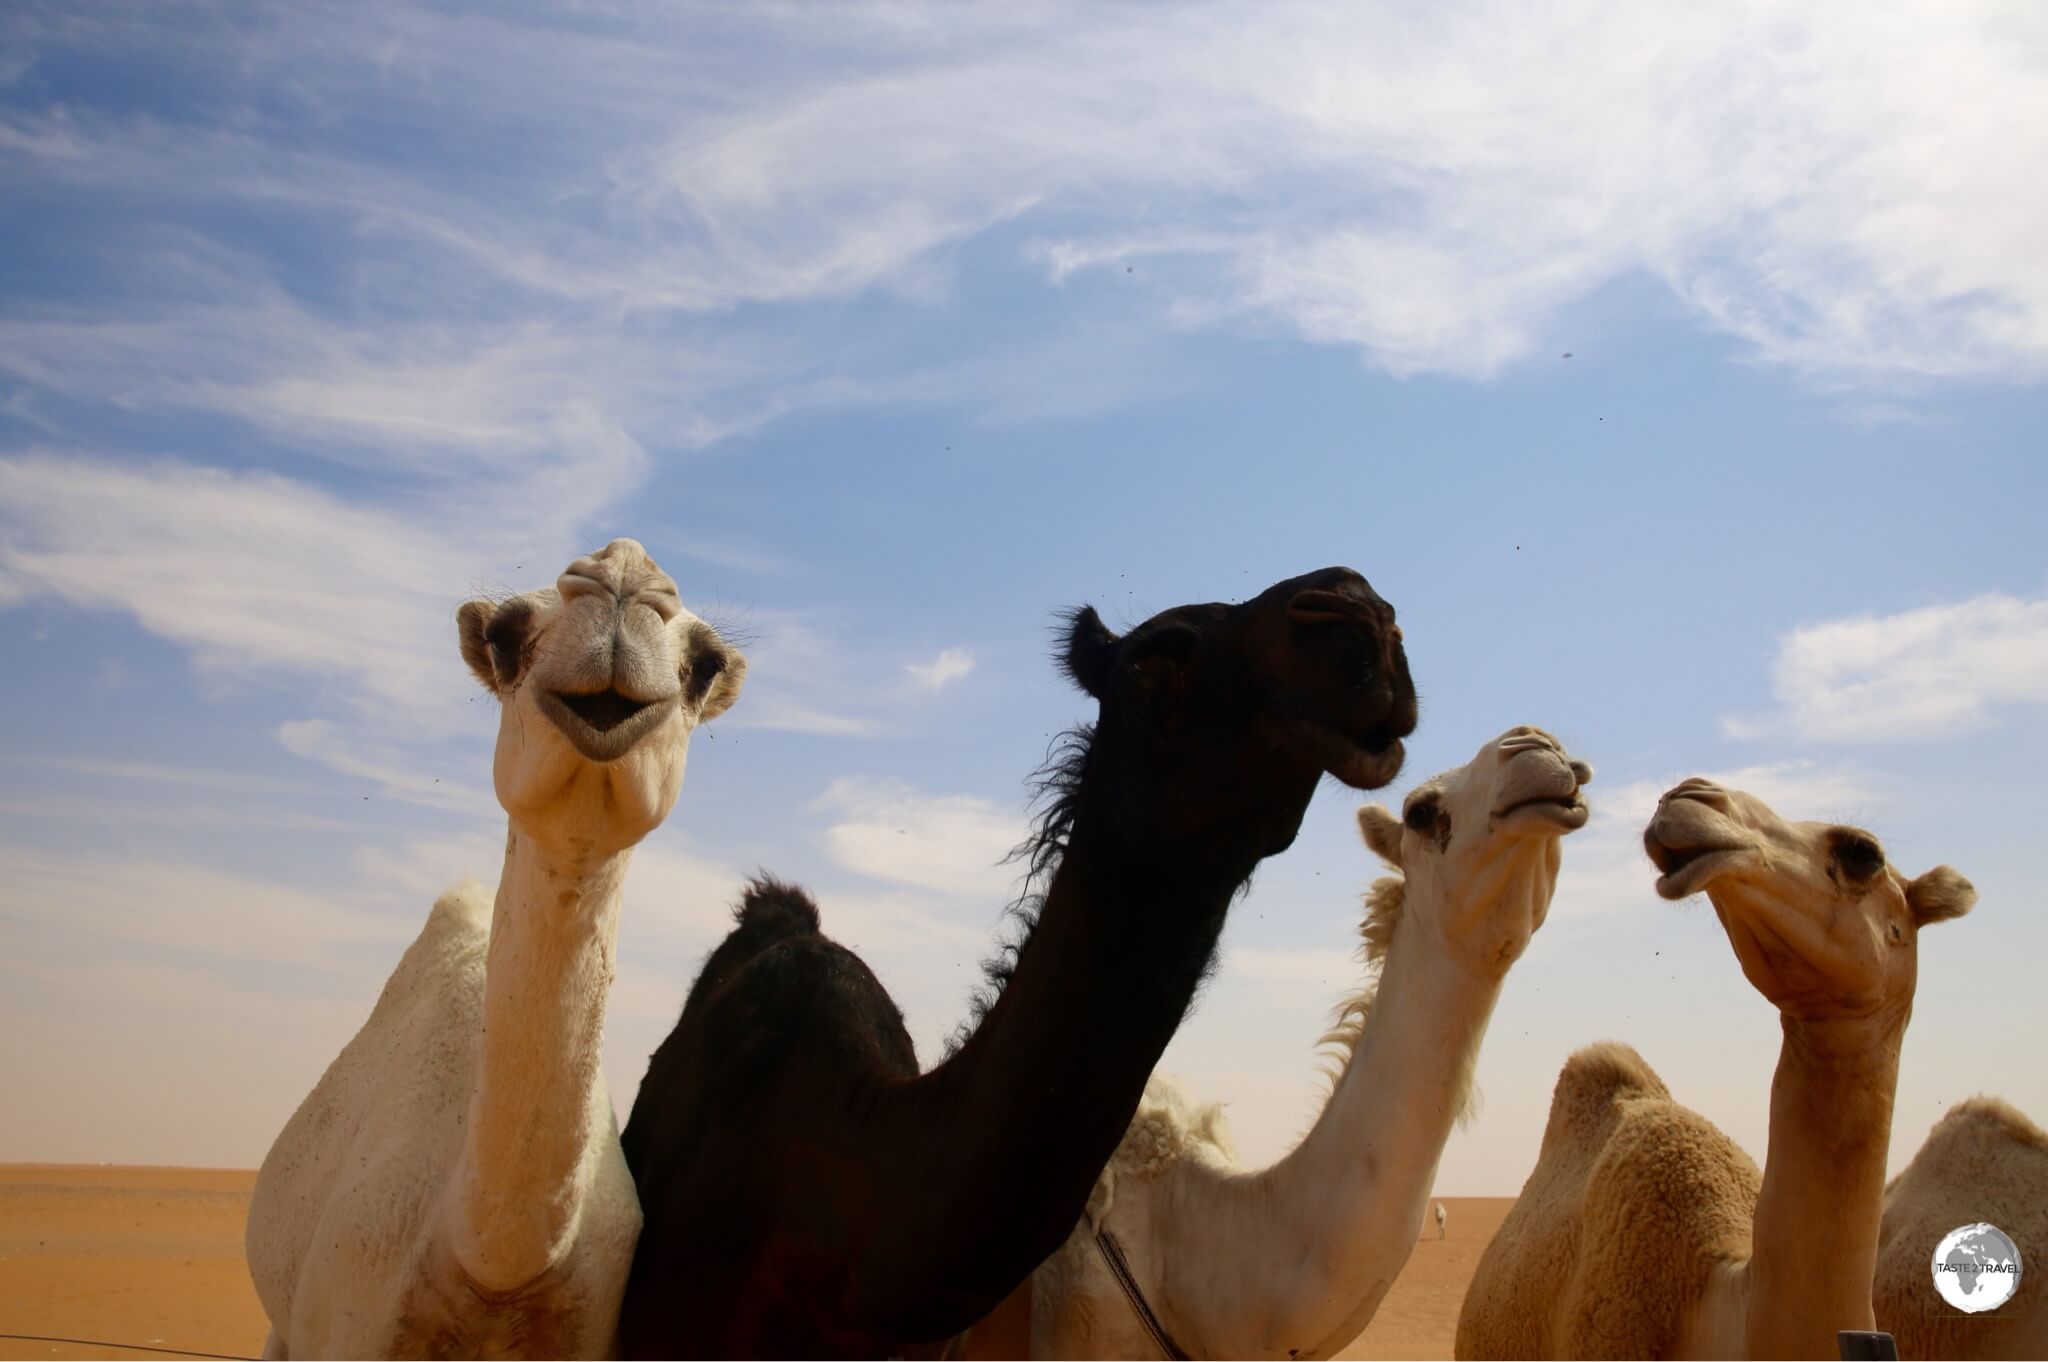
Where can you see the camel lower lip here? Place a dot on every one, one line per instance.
(1364, 770)
(1339, 754)
(1690, 869)
(603, 710)
(604, 725)
(1566, 811)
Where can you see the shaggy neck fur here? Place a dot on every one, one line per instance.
(553, 933)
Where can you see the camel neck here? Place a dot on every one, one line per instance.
(549, 969)
(1327, 1229)
(1022, 1118)
(1814, 1245)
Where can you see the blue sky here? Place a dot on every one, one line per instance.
(893, 330)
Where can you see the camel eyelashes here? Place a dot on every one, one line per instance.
(1421, 815)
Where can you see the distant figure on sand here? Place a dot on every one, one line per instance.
(1439, 1220)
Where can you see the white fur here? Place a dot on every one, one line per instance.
(453, 1185)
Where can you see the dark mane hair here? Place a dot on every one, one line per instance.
(1056, 791)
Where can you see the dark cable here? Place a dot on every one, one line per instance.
(129, 1347)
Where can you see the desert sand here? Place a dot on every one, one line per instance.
(148, 1256)
(125, 1255)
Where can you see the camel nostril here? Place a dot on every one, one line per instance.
(1701, 791)
(573, 584)
(1317, 609)
(664, 603)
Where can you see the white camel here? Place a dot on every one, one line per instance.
(1291, 1261)
(453, 1185)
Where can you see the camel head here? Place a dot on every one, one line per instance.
(1478, 845)
(600, 679)
(1823, 924)
(1218, 720)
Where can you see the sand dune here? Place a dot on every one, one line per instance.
(154, 1256)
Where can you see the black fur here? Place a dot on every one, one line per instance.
(806, 1190)
(1091, 649)
(1056, 791)
(771, 908)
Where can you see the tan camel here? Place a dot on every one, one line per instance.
(1291, 1261)
(1983, 1162)
(453, 1186)
(1644, 1231)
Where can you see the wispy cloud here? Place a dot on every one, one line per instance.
(257, 574)
(803, 677)
(1431, 193)
(1907, 677)
(891, 832)
(321, 741)
(952, 664)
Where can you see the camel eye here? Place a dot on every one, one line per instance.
(1158, 667)
(1859, 857)
(1420, 816)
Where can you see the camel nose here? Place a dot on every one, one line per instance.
(620, 569)
(1529, 738)
(1698, 788)
(1337, 596)
(586, 577)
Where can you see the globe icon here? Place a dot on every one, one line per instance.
(1976, 1268)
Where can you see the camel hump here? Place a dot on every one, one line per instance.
(462, 912)
(1593, 1083)
(771, 909)
(1606, 1071)
(1983, 1114)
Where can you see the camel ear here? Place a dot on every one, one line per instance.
(470, 623)
(1091, 651)
(494, 639)
(725, 686)
(1939, 895)
(1382, 833)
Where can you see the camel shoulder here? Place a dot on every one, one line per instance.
(357, 1141)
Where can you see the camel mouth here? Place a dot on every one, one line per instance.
(603, 725)
(1367, 763)
(1683, 871)
(1568, 813)
(605, 710)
